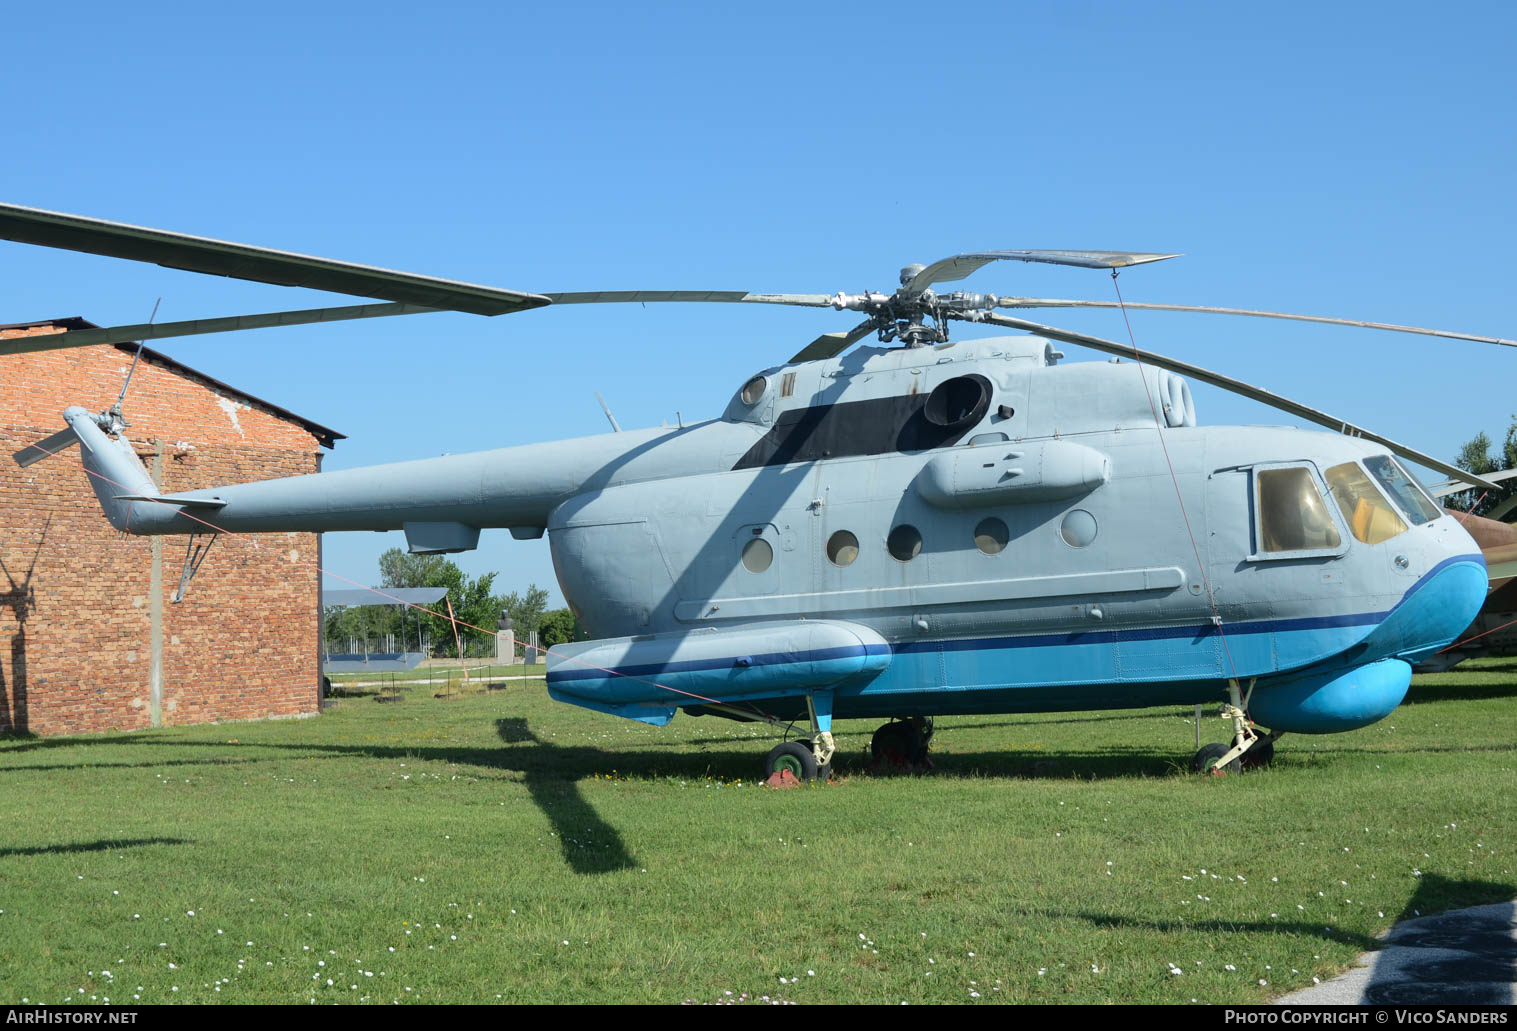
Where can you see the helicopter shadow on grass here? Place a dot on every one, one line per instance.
(1502, 664)
(590, 844)
(1103, 764)
(151, 764)
(1021, 721)
(1460, 690)
(551, 774)
(1490, 954)
(104, 845)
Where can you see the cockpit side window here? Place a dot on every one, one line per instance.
(1292, 516)
(1370, 518)
(1402, 488)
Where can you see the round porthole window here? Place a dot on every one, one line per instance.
(753, 390)
(1078, 528)
(904, 543)
(991, 536)
(842, 548)
(757, 555)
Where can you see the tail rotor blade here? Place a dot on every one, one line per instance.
(46, 448)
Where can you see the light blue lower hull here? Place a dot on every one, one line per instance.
(1298, 665)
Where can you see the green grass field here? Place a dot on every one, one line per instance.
(501, 847)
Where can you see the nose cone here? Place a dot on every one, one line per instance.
(1438, 607)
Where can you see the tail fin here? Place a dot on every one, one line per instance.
(113, 466)
(117, 475)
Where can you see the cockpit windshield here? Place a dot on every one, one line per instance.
(1399, 484)
(1370, 517)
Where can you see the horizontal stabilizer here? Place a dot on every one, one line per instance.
(46, 448)
(165, 500)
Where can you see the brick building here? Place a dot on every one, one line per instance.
(89, 639)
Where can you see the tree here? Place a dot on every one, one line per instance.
(472, 601)
(557, 628)
(402, 569)
(1476, 457)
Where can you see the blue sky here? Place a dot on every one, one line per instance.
(1350, 160)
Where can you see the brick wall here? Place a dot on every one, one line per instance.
(76, 637)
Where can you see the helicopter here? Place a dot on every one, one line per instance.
(919, 527)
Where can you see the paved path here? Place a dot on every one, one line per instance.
(1466, 956)
(473, 676)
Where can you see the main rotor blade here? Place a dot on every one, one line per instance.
(1054, 302)
(1447, 487)
(1216, 379)
(259, 264)
(195, 327)
(829, 344)
(961, 265)
(714, 296)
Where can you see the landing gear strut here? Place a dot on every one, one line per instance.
(794, 761)
(802, 761)
(901, 746)
(1249, 750)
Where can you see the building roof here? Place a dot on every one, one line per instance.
(324, 435)
(382, 596)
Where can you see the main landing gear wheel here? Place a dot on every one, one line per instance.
(901, 747)
(1259, 756)
(797, 759)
